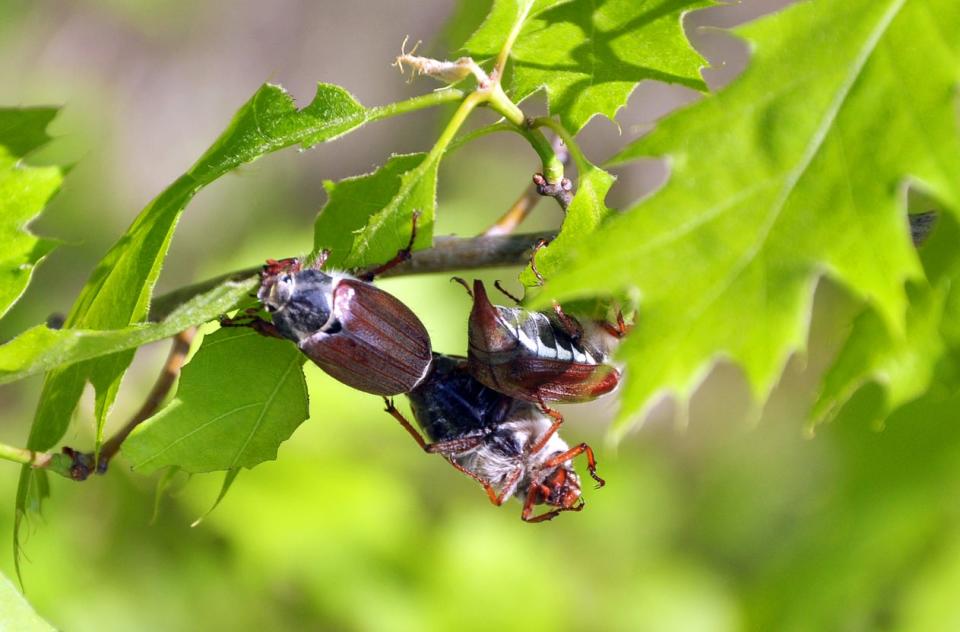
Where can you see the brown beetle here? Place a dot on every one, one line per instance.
(354, 331)
(536, 356)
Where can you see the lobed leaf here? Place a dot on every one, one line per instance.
(355, 224)
(493, 31)
(24, 191)
(589, 56)
(905, 367)
(239, 398)
(788, 174)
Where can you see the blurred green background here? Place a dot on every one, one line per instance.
(732, 520)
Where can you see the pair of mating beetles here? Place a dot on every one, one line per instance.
(488, 413)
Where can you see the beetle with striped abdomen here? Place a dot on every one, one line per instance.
(536, 356)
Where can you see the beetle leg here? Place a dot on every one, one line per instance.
(464, 283)
(259, 325)
(513, 298)
(496, 498)
(573, 453)
(618, 330)
(509, 486)
(570, 324)
(402, 255)
(446, 448)
(406, 424)
(557, 421)
(533, 260)
(527, 514)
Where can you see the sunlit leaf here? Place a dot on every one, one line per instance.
(786, 175)
(905, 367)
(119, 290)
(590, 56)
(42, 349)
(586, 212)
(239, 398)
(368, 218)
(24, 191)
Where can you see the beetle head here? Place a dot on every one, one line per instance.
(561, 487)
(277, 283)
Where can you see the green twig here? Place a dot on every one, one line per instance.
(583, 165)
(448, 254)
(433, 99)
(58, 463)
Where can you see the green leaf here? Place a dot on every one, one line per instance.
(785, 175)
(42, 349)
(352, 224)
(590, 56)
(16, 613)
(229, 477)
(388, 230)
(118, 293)
(239, 398)
(903, 365)
(909, 366)
(24, 191)
(489, 37)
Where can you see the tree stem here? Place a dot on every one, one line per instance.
(166, 379)
(448, 254)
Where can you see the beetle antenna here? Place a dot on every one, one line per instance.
(533, 260)
(503, 291)
(464, 283)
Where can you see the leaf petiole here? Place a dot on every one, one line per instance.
(54, 462)
(440, 97)
(583, 165)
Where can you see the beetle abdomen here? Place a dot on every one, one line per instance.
(531, 356)
(375, 343)
(451, 403)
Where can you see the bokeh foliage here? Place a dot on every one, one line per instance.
(722, 526)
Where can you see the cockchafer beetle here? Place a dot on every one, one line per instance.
(536, 356)
(507, 445)
(354, 331)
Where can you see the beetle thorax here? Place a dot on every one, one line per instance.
(300, 302)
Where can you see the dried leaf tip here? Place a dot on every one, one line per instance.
(447, 71)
